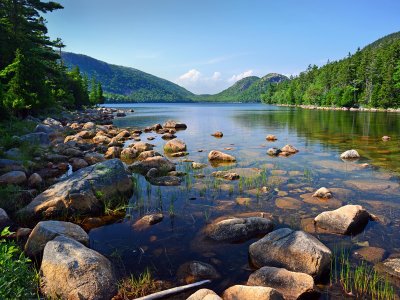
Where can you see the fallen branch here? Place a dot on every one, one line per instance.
(175, 290)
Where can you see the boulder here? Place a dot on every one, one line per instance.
(46, 231)
(72, 152)
(156, 127)
(348, 219)
(93, 158)
(36, 138)
(89, 126)
(238, 229)
(174, 145)
(273, 151)
(245, 292)
(220, 156)
(391, 267)
(294, 250)
(70, 270)
(4, 219)
(13, 177)
(350, 154)
(164, 180)
(129, 153)
(218, 134)
(323, 193)
(271, 137)
(113, 152)
(174, 124)
(289, 149)
(86, 134)
(83, 192)
(101, 139)
(7, 165)
(158, 162)
(204, 294)
(179, 154)
(35, 180)
(292, 285)
(195, 271)
(226, 175)
(168, 136)
(142, 146)
(78, 163)
(146, 154)
(152, 219)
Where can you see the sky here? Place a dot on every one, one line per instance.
(207, 45)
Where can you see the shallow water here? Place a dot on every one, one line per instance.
(319, 135)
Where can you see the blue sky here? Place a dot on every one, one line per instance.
(206, 45)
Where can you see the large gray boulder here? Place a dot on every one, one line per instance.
(348, 219)
(294, 250)
(292, 285)
(46, 231)
(70, 270)
(238, 229)
(83, 192)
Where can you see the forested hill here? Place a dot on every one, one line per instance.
(123, 84)
(369, 78)
(248, 89)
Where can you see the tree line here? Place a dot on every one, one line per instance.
(32, 75)
(368, 78)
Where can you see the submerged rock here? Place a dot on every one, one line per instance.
(348, 219)
(165, 181)
(158, 162)
(196, 270)
(196, 165)
(391, 267)
(238, 229)
(82, 193)
(350, 154)
(220, 156)
(46, 231)
(70, 270)
(294, 250)
(226, 175)
(292, 285)
(371, 254)
(152, 219)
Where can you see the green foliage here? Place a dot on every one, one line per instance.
(11, 198)
(18, 280)
(369, 78)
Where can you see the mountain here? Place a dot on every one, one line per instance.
(123, 84)
(248, 89)
(368, 78)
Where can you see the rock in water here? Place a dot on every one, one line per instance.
(294, 250)
(350, 154)
(220, 156)
(160, 163)
(196, 270)
(239, 229)
(323, 193)
(225, 175)
(271, 138)
(174, 124)
(46, 231)
(204, 294)
(348, 219)
(289, 149)
(218, 134)
(245, 292)
(70, 270)
(292, 285)
(82, 193)
(273, 151)
(174, 145)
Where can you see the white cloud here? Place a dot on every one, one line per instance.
(196, 82)
(237, 77)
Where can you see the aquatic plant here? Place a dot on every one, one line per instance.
(359, 280)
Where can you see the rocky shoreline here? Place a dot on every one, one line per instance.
(83, 172)
(394, 110)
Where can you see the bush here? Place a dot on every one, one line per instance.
(18, 280)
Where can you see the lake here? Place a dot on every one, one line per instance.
(321, 136)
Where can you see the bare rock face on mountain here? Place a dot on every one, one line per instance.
(294, 250)
(82, 193)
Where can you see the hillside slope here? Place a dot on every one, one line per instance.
(123, 84)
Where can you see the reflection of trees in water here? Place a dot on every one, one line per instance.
(336, 130)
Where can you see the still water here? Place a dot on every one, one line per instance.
(320, 136)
